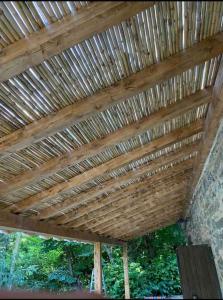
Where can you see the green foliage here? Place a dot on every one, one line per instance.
(153, 266)
(63, 265)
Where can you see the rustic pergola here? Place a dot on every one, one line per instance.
(108, 111)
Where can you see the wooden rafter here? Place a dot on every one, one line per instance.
(130, 86)
(100, 219)
(53, 39)
(136, 220)
(211, 125)
(115, 183)
(118, 210)
(148, 219)
(104, 215)
(136, 202)
(174, 110)
(154, 222)
(139, 210)
(147, 228)
(91, 209)
(114, 203)
(19, 223)
(112, 164)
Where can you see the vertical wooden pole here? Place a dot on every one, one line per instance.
(126, 272)
(97, 268)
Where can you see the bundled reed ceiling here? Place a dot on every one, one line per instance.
(98, 135)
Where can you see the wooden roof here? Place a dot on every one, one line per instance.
(103, 112)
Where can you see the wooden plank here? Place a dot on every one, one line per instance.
(115, 183)
(93, 223)
(141, 217)
(198, 272)
(99, 216)
(13, 222)
(97, 268)
(73, 157)
(82, 215)
(112, 164)
(147, 229)
(125, 88)
(53, 39)
(160, 215)
(171, 220)
(130, 202)
(118, 203)
(159, 218)
(211, 125)
(126, 272)
(142, 209)
(120, 195)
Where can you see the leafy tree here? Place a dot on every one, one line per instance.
(64, 265)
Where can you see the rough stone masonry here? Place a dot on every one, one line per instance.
(205, 225)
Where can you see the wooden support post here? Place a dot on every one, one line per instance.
(97, 268)
(126, 272)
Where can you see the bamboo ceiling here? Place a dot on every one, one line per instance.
(120, 168)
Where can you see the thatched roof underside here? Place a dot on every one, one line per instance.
(122, 171)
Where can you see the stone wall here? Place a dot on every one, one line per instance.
(205, 224)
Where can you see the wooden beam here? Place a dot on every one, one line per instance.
(110, 207)
(131, 198)
(138, 225)
(145, 229)
(9, 221)
(110, 201)
(97, 268)
(145, 206)
(142, 80)
(165, 220)
(141, 208)
(134, 224)
(211, 125)
(53, 39)
(115, 183)
(113, 209)
(126, 272)
(147, 220)
(112, 164)
(94, 222)
(52, 166)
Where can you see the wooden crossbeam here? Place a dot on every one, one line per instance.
(117, 201)
(147, 219)
(53, 39)
(148, 77)
(170, 219)
(136, 221)
(144, 201)
(93, 206)
(139, 211)
(85, 213)
(155, 222)
(9, 221)
(112, 164)
(211, 125)
(111, 204)
(105, 214)
(94, 224)
(145, 228)
(115, 183)
(73, 157)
